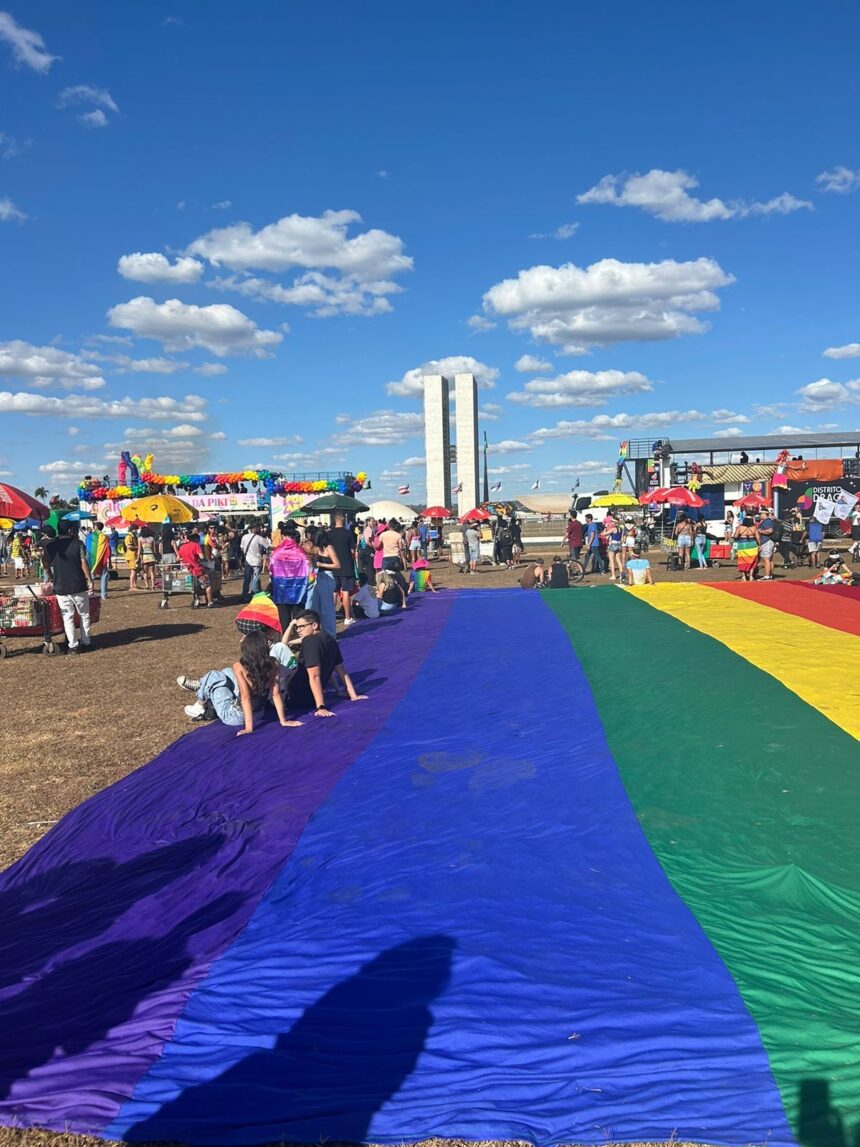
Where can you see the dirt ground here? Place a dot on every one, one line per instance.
(72, 726)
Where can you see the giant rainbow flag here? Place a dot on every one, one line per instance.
(583, 869)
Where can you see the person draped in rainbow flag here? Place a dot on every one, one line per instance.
(747, 541)
(291, 573)
(98, 556)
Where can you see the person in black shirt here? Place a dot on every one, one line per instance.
(319, 657)
(343, 543)
(66, 558)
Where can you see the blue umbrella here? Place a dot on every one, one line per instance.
(78, 516)
(27, 524)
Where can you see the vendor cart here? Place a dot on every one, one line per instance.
(175, 578)
(36, 615)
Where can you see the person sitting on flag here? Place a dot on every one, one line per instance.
(420, 578)
(237, 695)
(319, 659)
(835, 571)
(391, 591)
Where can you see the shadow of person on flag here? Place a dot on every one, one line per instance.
(77, 1003)
(325, 1079)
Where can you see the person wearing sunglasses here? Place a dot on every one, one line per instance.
(319, 659)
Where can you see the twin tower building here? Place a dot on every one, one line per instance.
(437, 437)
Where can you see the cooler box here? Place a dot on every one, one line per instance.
(720, 551)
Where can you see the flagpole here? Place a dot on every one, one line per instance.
(486, 474)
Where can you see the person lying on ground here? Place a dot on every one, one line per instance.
(238, 694)
(319, 658)
(639, 571)
(534, 576)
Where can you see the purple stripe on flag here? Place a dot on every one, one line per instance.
(116, 915)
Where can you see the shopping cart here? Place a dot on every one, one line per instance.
(36, 615)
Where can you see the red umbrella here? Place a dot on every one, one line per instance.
(477, 515)
(678, 496)
(658, 494)
(751, 502)
(436, 512)
(15, 504)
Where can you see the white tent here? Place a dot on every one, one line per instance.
(386, 510)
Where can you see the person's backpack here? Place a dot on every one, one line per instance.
(778, 530)
(506, 538)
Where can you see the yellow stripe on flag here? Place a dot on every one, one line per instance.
(817, 663)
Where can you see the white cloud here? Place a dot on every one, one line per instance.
(825, 394)
(305, 241)
(514, 468)
(223, 205)
(180, 326)
(47, 366)
(99, 99)
(209, 369)
(411, 385)
(850, 350)
(125, 364)
(9, 146)
(728, 416)
(183, 430)
(608, 302)
(152, 267)
(218, 436)
(191, 407)
(666, 195)
(840, 179)
(792, 430)
(73, 431)
(9, 213)
(326, 294)
(95, 118)
(490, 412)
(580, 388)
(530, 363)
(27, 46)
(363, 265)
(729, 432)
(602, 424)
(588, 467)
(70, 473)
(480, 323)
(285, 441)
(565, 231)
(415, 460)
(115, 340)
(382, 428)
(510, 446)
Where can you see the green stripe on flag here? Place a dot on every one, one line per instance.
(750, 799)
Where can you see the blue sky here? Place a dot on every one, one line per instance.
(236, 234)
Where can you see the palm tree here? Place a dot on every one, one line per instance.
(40, 492)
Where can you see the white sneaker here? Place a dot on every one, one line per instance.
(196, 710)
(192, 684)
(348, 621)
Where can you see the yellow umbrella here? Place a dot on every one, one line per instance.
(615, 500)
(159, 508)
(6, 523)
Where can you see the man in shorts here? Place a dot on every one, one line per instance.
(766, 528)
(343, 543)
(815, 536)
(190, 553)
